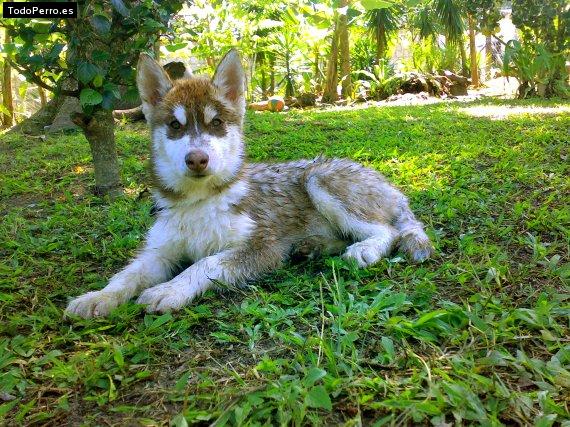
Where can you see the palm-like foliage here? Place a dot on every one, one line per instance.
(383, 23)
(423, 21)
(449, 13)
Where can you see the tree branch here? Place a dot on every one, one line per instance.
(35, 79)
(498, 39)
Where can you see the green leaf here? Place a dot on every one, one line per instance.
(376, 4)
(388, 345)
(90, 97)
(118, 357)
(564, 271)
(182, 382)
(108, 100)
(86, 72)
(98, 80)
(100, 23)
(161, 320)
(120, 7)
(7, 407)
(9, 48)
(23, 89)
(112, 389)
(55, 51)
(41, 27)
(545, 420)
(125, 72)
(224, 337)
(151, 25)
(175, 47)
(414, 3)
(318, 398)
(113, 88)
(179, 421)
(313, 376)
(100, 55)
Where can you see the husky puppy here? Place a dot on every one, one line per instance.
(234, 220)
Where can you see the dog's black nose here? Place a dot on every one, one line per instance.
(197, 160)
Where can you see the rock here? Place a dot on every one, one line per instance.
(5, 397)
(132, 114)
(62, 120)
(70, 105)
(307, 99)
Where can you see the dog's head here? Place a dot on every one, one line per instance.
(196, 124)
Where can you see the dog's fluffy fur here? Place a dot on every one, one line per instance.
(235, 221)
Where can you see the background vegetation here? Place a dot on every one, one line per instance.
(328, 49)
(479, 334)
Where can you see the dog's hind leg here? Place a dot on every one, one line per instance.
(374, 239)
(372, 249)
(362, 205)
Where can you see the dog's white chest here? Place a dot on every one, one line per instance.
(212, 228)
(201, 229)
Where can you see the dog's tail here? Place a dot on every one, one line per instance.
(413, 239)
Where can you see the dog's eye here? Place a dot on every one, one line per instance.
(216, 122)
(175, 124)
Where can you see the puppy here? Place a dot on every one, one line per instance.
(236, 220)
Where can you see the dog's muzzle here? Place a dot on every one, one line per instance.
(197, 161)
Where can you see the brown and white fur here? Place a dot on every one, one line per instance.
(236, 221)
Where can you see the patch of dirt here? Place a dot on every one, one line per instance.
(26, 200)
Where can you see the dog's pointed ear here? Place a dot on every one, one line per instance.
(229, 78)
(152, 81)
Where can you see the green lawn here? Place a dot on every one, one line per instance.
(480, 333)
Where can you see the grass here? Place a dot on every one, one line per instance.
(479, 334)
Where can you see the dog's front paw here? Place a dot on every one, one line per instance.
(163, 298)
(364, 253)
(93, 304)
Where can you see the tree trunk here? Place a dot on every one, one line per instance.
(210, 59)
(7, 100)
(330, 93)
(100, 133)
(156, 48)
(488, 56)
(463, 53)
(263, 83)
(263, 72)
(344, 52)
(289, 88)
(380, 47)
(473, 53)
(317, 69)
(272, 76)
(43, 97)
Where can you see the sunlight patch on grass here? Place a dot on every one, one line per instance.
(499, 112)
(418, 173)
(80, 170)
